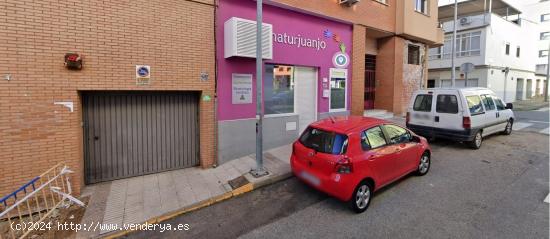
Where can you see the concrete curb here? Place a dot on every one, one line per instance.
(208, 202)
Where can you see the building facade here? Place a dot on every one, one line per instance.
(501, 45)
(105, 121)
(121, 89)
(538, 11)
(384, 44)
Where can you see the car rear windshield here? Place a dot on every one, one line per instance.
(324, 141)
(423, 103)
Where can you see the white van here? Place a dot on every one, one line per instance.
(466, 114)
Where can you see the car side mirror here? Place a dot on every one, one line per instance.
(509, 106)
(415, 139)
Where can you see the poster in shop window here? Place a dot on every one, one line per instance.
(241, 88)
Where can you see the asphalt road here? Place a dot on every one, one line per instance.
(494, 192)
(535, 120)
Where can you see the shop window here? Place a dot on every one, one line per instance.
(413, 55)
(338, 92)
(279, 89)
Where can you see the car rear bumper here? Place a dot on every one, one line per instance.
(340, 186)
(430, 132)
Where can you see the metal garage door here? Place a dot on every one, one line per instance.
(131, 134)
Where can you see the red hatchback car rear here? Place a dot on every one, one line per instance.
(351, 157)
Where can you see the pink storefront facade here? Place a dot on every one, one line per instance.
(308, 77)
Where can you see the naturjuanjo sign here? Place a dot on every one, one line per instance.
(318, 43)
(299, 41)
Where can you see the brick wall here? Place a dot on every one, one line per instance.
(174, 37)
(358, 67)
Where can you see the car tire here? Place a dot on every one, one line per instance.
(362, 195)
(477, 141)
(424, 164)
(508, 129)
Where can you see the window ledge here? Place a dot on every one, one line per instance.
(280, 115)
(419, 12)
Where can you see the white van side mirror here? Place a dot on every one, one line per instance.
(509, 106)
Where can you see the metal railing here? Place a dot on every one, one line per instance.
(35, 201)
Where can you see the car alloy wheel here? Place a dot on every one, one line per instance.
(424, 164)
(362, 197)
(360, 200)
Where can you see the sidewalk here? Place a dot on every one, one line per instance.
(158, 197)
(530, 104)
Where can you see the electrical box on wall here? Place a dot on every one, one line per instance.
(240, 38)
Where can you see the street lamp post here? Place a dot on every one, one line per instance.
(547, 73)
(259, 170)
(453, 45)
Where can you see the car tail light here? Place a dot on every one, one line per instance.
(344, 166)
(408, 118)
(466, 122)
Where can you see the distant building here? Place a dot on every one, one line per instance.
(500, 42)
(539, 11)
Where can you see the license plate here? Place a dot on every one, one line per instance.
(310, 178)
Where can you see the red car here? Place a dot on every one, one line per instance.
(351, 157)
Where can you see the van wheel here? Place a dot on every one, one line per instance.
(360, 200)
(476, 143)
(508, 129)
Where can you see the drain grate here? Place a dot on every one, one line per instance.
(238, 182)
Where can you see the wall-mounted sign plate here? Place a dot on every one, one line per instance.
(241, 88)
(143, 74)
(340, 60)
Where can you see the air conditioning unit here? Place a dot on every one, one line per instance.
(240, 38)
(348, 2)
(465, 21)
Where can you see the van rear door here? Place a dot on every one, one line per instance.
(448, 110)
(421, 111)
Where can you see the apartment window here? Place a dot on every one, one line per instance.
(545, 35)
(421, 6)
(517, 51)
(382, 1)
(435, 53)
(543, 53)
(545, 17)
(467, 44)
(507, 49)
(541, 68)
(413, 55)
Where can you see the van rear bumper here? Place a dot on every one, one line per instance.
(431, 132)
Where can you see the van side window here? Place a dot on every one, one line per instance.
(396, 134)
(423, 103)
(372, 138)
(446, 104)
(474, 103)
(500, 105)
(488, 102)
